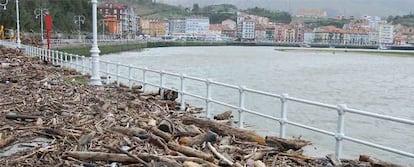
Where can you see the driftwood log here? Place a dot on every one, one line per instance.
(7, 141)
(223, 116)
(135, 131)
(23, 117)
(199, 139)
(225, 129)
(190, 151)
(286, 144)
(123, 158)
(376, 162)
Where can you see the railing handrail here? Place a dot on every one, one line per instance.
(339, 135)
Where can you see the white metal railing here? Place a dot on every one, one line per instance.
(80, 64)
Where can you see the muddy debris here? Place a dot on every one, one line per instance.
(50, 116)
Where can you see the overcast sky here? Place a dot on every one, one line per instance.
(333, 7)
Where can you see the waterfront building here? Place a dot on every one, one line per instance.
(246, 25)
(308, 37)
(197, 25)
(270, 32)
(229, 32)
(129, 23)
(404, 35)
(260, 32)
(386, 34)
(373, 37)
(153, 27)
(280, 32)
(290, 35)
(113, 14)
(230, 24)
(176, 26)
(216, 29)
(248, 29)
(299, 28)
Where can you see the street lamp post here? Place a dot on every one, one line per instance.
(95, 78)
(79, 19)
(102, 21)
(4, 4)
(18, 24)
(40, 12)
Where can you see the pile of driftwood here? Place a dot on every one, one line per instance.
(51, 117)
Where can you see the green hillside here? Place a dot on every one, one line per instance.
(274, 16)
(407, 20)
(146, 8)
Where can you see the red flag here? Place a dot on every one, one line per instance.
(49, 23)
(49, 26)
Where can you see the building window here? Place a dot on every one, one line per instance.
(115, 11)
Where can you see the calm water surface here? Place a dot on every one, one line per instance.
(380, 84)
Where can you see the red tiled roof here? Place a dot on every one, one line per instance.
(215, 27)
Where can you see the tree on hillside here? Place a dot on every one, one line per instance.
(274, 16)
(196, 9)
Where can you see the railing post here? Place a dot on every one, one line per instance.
(339, 136)
(208, 98)
(117, 74)
(77, 62)
(108, 77)
(144, 79)
(53, 56)
(241, 106)
(49, 55)
(71, 60)
(83, 65)
(66, 58)
(38, 53)
(162, 84)
(60, 58)
(182, 102)
(130, 77)
(45, 54)
(283, 115)
(90, 65)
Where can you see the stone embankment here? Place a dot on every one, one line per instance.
(50, 116)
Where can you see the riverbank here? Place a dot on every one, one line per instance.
(122, 47)
(50, 116)
(345, 50)
(125, 46)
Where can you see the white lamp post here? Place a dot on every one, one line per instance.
(79, 19)
(18, 24)
(40, 12)
(95, 79)
(102, 21)
(4, 4)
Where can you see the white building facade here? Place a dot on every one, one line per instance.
(386, 34)
(308, 37)
(176, 26)
(248, 30)
(129, 22)
(197, 25)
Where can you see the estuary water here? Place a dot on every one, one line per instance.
(382, 84)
